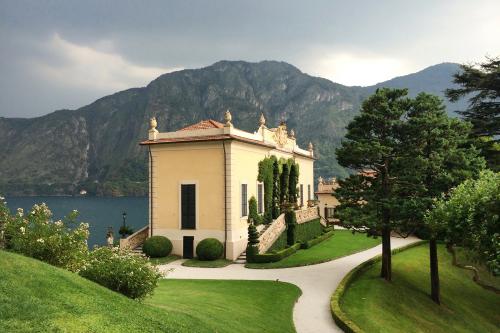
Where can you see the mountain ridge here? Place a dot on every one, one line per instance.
(95, 147)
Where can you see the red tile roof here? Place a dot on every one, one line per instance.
(204, 124)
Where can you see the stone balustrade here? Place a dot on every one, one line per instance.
(272, 233)
(136, 239)
(306, 214)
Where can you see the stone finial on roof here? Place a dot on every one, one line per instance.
(262, 120)
(292, 134)
(153, 132)
(320, 180)
(228, 118)
(153, 123)
(310, 147)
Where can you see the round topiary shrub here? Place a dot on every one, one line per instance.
(157, 247)
(209, 249)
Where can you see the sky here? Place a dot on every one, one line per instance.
(66, 54)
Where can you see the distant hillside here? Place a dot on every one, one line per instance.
(96, 147)
(434, 79)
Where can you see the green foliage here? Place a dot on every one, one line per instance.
(308, 230)
(122, 271)
(209, 249)
(292, 183)
(481, 85)
(284, 180)
(276, 191)
(61, 243)
(125, 230)
(265, 175)
(157, 247)
(253, 215)
(291, 224)
(253, 241)
(470, 218)
(314, 241)
(279, 244)
(273, 257)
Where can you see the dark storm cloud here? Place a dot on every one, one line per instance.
(64, 54)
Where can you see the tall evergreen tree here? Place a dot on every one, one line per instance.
(482, 84)
(368, 198)
(292, 184)
(285, 176)
(436, 157)
(276, 190)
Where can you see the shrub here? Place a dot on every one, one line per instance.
(252, 211)
(317, 240)
(274, 256)
(122, 271)
(125, 231)
(308, 230)
(209, 249)
(62, 243)
(157, 247)
(253, 241)
(291, 223)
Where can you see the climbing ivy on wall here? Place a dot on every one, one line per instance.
(280, 178)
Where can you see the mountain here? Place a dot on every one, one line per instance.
(96, 147)
(434, 80)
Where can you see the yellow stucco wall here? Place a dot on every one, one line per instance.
(198, 163)
(203, 165)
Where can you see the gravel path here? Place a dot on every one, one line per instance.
(317, 282)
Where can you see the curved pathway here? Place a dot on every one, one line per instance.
(317, 282)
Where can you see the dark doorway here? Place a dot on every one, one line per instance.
(187, 247)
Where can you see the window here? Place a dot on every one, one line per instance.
(301, 194)
(260, 198)
(188, 206)
(244, 200)
(329, 212)
(308, 191)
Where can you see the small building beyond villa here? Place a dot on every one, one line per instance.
(326, 200)
(202, 177)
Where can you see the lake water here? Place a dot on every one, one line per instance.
(99, 213)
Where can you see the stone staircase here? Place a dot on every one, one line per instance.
(137, 250)
(242, 259)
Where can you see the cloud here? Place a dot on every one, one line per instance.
(355, 69)
(96, 67)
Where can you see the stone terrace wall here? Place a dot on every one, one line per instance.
(272, 233)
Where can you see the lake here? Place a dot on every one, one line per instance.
(99, 213)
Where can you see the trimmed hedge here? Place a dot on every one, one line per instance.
(209, 249)
(307, 231)
(157, 247)
(317, 240)
(279, 244)
(339, 316)
(275, 256)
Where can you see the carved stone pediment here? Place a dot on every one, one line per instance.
(281, 135)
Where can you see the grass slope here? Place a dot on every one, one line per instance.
(404, 304)
(36, 297)
(341, 244)
(231, 306)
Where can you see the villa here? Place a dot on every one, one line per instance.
(202, 176)
(326, 201)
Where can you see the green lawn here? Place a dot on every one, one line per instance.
(231, 306)
(207, 263)
(36, 297)
(164, 260)
(404, 304)
(341, 244)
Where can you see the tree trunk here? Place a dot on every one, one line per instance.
(434, 271)
(386, 271)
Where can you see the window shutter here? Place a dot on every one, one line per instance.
(188, 206)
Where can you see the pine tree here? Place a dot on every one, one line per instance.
(436, 158)
(482, 84)
(371, 148)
